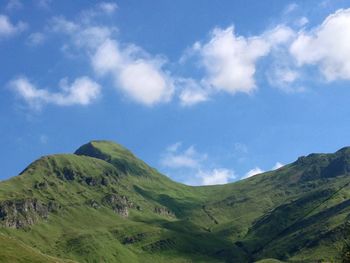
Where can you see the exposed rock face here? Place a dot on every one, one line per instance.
(119, 203)
(163, 211)
(23, 212)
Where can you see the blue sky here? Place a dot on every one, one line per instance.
(205, 92)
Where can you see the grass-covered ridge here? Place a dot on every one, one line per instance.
(103, 204)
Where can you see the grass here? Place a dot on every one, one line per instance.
(298, 213)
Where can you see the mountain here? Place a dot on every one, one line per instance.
(103, 204)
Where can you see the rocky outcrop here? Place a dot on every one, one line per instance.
(119, 203)
(93, 203)
(163, 211)
(24, 212)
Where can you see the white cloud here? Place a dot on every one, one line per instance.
(277, 166)
(107, 57)
(258, 170)
(215, 176)
(145, 82)
(60, 24)
(279, 35)
(108, 7)
(285, 78)
(290, 8)
(174, 147)
(302, 21)
(194, 165)
(137, 74)
(191, 92)
(81, 92)
(189, 158)
(253, 172)
(82, 36)
(229, 60)
(35, 39)
(326, 46)
(14, 4)
(7, 28)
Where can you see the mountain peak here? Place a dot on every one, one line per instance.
(103, 149)
(117, 155)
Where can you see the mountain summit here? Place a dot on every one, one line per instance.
(103, 204)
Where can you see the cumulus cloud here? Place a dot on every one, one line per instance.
(145, 82)
(215, 176)
(7, 28)
(253, 172)
(82, 91)
(229, 60)
(137, 74)
(278, 36)
(326, 46)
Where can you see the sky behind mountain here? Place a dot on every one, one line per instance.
(205, 92)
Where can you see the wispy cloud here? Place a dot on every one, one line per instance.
(136, 73)
(278, 165)
(258, 170)
(215, 176)
(36, 39)
(253, 172)
(7, 28)
(197, 166)
(188, 158)
(108, 7)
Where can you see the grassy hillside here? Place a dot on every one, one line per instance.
(103, 204)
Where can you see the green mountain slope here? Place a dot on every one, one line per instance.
(103, 204)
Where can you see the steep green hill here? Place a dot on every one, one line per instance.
(103, 204)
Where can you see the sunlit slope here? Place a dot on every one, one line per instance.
(103, 204)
